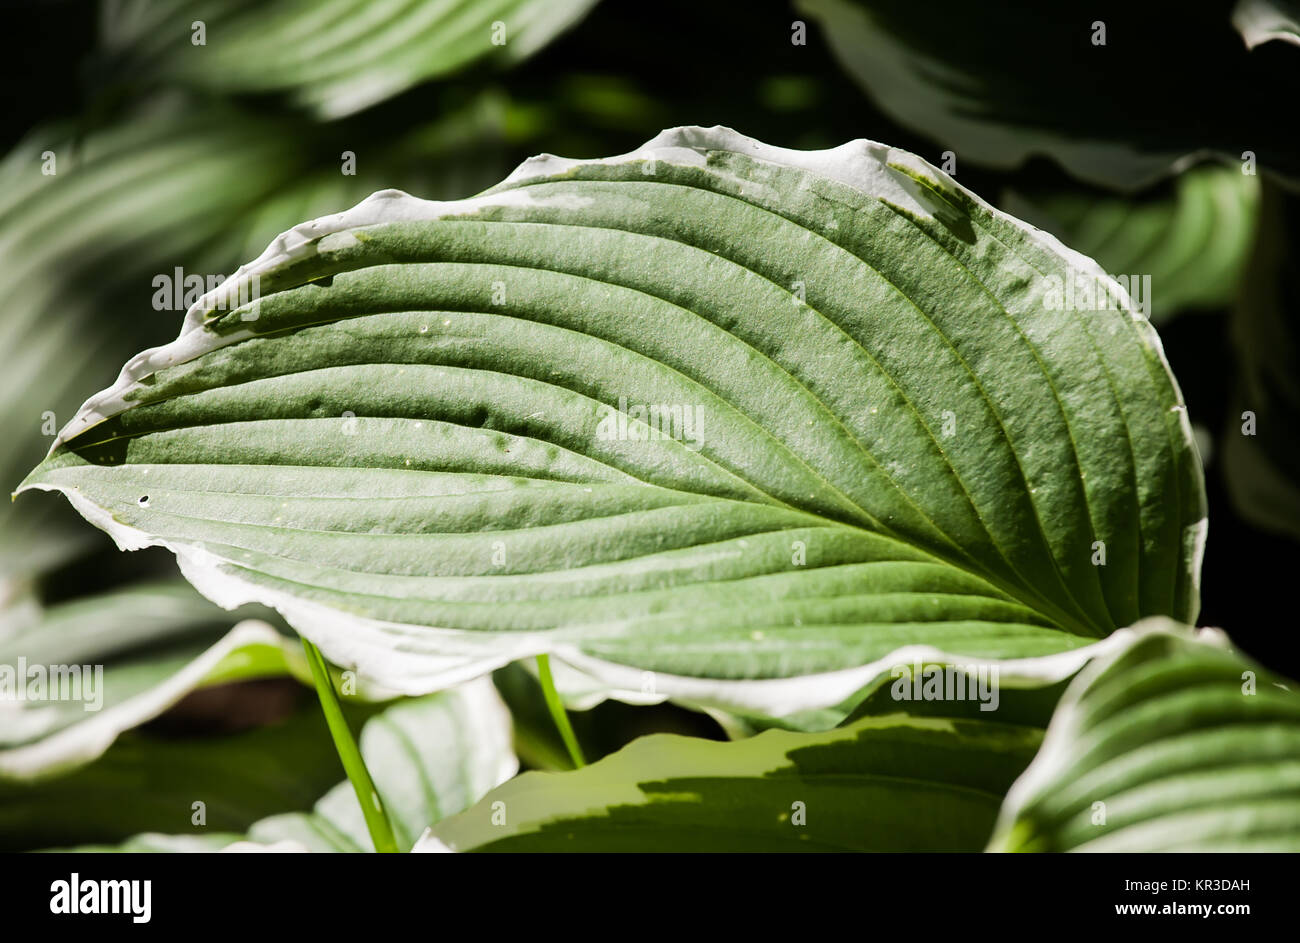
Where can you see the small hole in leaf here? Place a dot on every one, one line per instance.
(144, 501)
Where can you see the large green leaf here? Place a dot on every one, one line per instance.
(430, 757)
(998, 84)
(1182, 247)
(893, 783)
(78, 674)
(1174, 744)
(335, 58)
(411, 444)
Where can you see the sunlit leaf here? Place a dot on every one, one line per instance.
(1171, 745)
(894, 783)
(428, 442)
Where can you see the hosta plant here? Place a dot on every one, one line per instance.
(751, 429)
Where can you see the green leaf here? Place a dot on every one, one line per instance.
(415, 443)
(155, 843)
(107, 663)
(103, 211)
(148, 782)
(89, 220)
(1182, 247)
(430, 757)
(894, 783)
(1174, 744)
(999, 84)
(335, 59)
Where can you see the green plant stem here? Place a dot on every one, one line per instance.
(372, 807)
(558, 713)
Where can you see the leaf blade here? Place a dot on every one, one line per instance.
(411, 422)
(1162, 747)
(894, 783)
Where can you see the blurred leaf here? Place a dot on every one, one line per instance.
(149, 782)
(335, 58)
(119, 207)
(1260, 21)
(409, 445)
(155, 843)
(1261, 454)
(174, 186)
(1190, 238)
(997, 84)
(894, 783)
(430, 757)
(1173, 744)
(115, 661)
